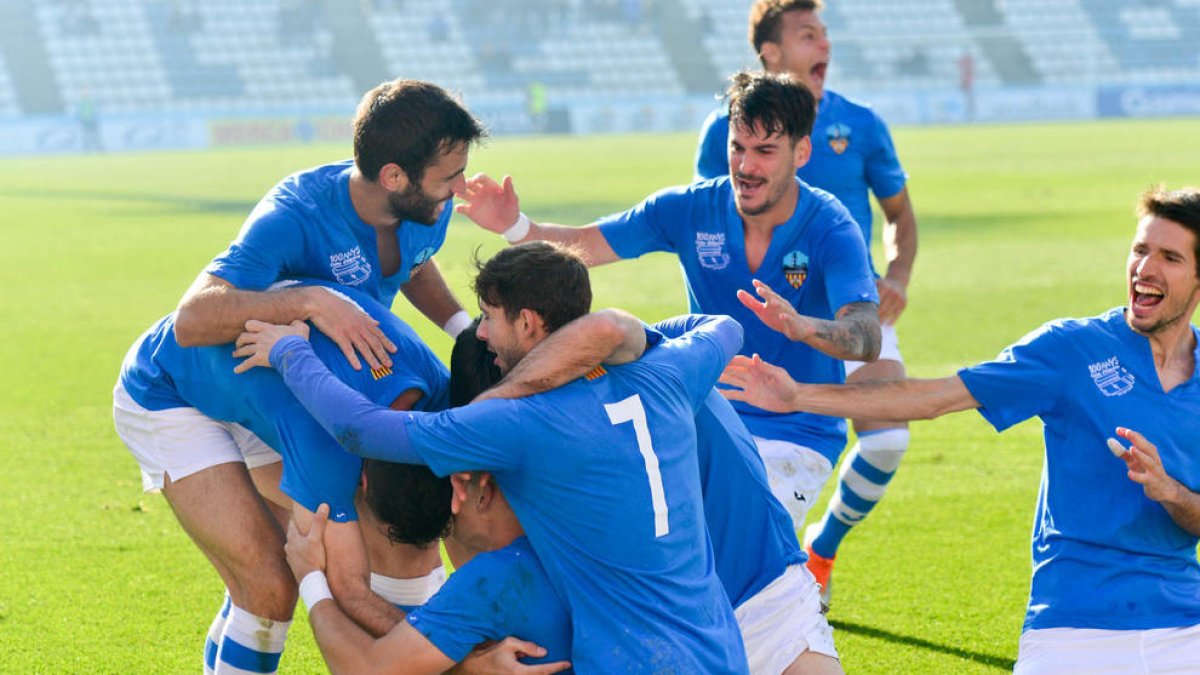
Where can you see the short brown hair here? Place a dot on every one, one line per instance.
(409, 123)
(776, 102)
(547, 278)
(1178, 206)
(766, 19)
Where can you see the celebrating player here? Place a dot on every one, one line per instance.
(601, 473)
(852, 156)
(1116, 583)
(763, 223)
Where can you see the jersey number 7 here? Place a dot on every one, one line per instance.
(632, 410)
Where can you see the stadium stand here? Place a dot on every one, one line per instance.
(132, 56)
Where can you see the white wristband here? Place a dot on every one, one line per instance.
(457, 323)
(314, 588)
(519, 229)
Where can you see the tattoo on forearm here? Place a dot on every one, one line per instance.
(855, 334)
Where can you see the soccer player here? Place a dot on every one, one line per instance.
(601, 473)
(1116, 584)
(500, 588)
(760, 223)
(373, 223)
(852, 157)
(199, 430)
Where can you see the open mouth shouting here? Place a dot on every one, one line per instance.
(1144, 297)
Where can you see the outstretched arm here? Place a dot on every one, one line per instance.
(900, 246)
(360, 426)
(770, 387)
(496, 207)
(213, 312)
(1146, 469)
(853, 335)
(607, 336)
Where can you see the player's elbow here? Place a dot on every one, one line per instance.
(188, 325)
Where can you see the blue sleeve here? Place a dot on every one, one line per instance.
(676, 326)
(468, 609)
(700, 354)
(848, 274)
(650, 226)
(268, 241)
(360, 426)
(712, 152)
(884, 173)
(1025, 380)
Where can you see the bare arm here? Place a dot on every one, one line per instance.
(900, 247)
(1145, 468)
(771, 388)
(853, 334)
(428, 292)
(608, 336)
(213, 312)
(495, 207)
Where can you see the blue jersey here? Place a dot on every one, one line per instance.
(741, 512)
(852, 154)
(1104, 555)
(306, 226)
(602, 473)
(495, 595)
(160, 375)
(817, 261)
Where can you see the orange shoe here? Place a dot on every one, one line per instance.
(822, 569)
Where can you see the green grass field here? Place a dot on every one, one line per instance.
(1019, 224)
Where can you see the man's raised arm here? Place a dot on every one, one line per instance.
(495, 207)
(853, 335)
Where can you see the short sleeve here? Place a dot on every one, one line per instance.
(699, 355)
(650, 226)
(268, 239)
(884, 173)
(464, 612)
(848, 274)
(1024, 381)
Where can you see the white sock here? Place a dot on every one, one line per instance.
(250, 645)
(214, 636)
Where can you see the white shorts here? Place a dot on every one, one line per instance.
(796, 475)
(784, 620)
(889, 349)
(179, 442)
(1054, 651)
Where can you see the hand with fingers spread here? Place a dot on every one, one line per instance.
(352, 329)
(1146, 468)
(777, 312)
(255, 344)
(759, 384)
(893, 298)
(306, 550)
(493, 206)
(501, 658)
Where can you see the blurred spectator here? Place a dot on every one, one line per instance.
(966, 81)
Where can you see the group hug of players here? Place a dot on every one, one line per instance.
(606, 507)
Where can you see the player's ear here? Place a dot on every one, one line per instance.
(770, 56)
(487, 490)
(458, 486)
(802, 152)
(531, 324)
(393, 178)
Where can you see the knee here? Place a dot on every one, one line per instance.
(267, 590)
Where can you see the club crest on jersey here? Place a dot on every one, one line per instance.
(1110, 378)
(710, 249)
(838, 135)
(795, 268)
(350, 268)
(422, 257)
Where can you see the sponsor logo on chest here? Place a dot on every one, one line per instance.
(350, 268)
(710, 250)
(1111, 378)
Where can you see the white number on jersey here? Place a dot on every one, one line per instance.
(631, 410)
